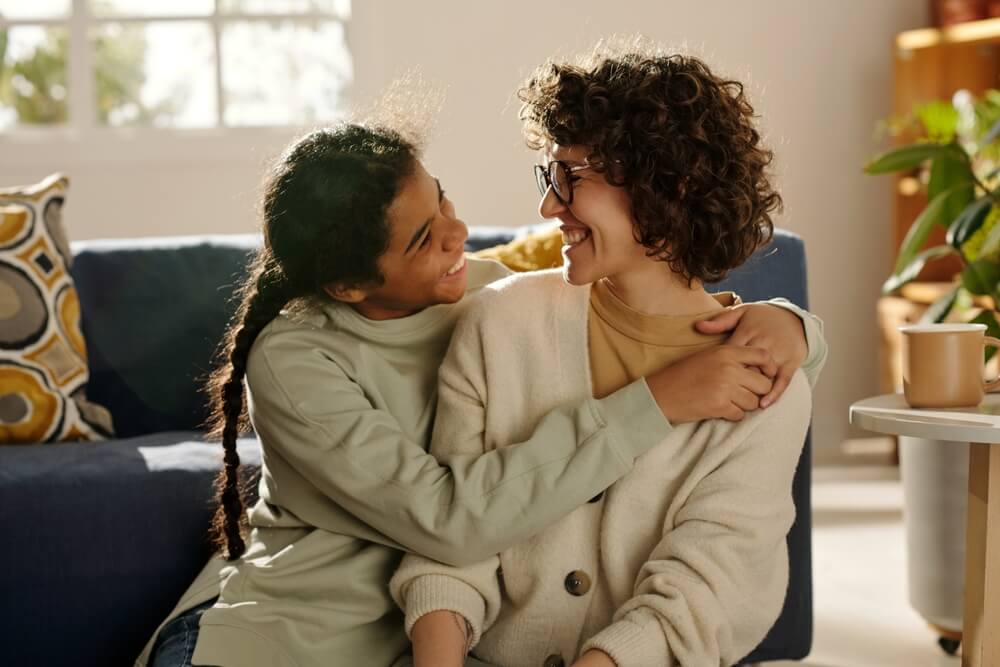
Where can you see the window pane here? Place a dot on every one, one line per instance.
(339, 8)
(283, 73)
(105, 8)
(158, 74)
(34, 9)
(32, 76)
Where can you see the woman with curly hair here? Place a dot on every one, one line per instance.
(654, 169)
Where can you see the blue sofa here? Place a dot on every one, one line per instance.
(100, 539)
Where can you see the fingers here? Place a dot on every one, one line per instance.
(755, 356)
(721, 323)
(781, 383)
(770, 367)
(756, 382)
(734, 413)
(746, 400)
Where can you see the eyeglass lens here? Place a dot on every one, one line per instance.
(558, 176)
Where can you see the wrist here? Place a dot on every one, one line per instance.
(595, 658)
(440, 638)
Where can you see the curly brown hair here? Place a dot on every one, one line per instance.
(678, 138)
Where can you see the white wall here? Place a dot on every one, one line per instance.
(819, 74)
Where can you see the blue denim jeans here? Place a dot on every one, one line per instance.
(175, 644)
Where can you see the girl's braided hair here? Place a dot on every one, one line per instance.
(324, 217)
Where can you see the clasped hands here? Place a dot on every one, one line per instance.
(751, 371)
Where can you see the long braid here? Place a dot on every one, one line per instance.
(324, 209)
(264, 294)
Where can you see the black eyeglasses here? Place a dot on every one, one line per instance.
(559, 176)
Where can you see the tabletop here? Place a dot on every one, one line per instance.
(890, 414)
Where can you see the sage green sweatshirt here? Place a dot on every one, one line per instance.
(343, 407)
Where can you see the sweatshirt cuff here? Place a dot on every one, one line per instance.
(633, 641)
(633, 420)
(438, 592)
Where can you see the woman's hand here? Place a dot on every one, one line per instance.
(594, 658)
(439, 639)
(773, 328)
(722, 382)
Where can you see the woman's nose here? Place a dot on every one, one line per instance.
(550, 206)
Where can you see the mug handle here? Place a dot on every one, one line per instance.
(991, 385)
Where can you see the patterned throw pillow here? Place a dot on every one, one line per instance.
(43, 357)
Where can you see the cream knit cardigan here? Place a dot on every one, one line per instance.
(686, 554)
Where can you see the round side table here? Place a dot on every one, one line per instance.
(980, 427)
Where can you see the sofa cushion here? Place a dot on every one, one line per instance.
(43, 357)
(107, 538)
(154, 311)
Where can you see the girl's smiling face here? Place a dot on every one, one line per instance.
(425, 262)
(597, 227)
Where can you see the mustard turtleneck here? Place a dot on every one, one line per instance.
(626, 344)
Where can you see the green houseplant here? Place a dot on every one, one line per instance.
(956, 155)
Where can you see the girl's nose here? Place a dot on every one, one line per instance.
(456, 235)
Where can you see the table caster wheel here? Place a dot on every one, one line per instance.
(949, 645)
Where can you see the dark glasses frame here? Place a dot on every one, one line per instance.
(547, 177)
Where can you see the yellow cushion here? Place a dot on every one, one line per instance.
(43, 356)
(542, 250)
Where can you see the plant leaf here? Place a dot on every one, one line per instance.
(988, 317)
(907, 157)
(949, 170)
(939, 119)
(910, 272)
(940, 309)
(968, 222)
(991, 243)
(981, 277)
(917, 235)
(990, 136)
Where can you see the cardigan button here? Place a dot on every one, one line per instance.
(554, 661)
(597, 498)
(577, 583)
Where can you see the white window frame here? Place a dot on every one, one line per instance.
(83, 140)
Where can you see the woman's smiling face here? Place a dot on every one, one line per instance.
(425, 262)
(597, 228)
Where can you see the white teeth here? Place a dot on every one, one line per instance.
(573, 236)
(458, 266)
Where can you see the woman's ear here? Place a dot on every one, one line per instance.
(345, 293)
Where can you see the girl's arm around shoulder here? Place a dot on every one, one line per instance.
(355, 457)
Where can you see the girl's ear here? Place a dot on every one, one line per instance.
(345, 293)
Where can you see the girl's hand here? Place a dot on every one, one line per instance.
(775, 329)
(720, 382)
(594, 658)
